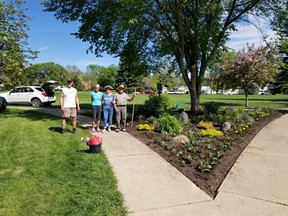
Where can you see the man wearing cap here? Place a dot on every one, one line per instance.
(120, 102)
(69, 101)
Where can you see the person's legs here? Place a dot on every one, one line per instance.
(94, 110)
(74, 119)
(63, 124)
(105, 112)
(66, 114)
(118, 119)
(98, 117)
(124, 116)
(110, 117)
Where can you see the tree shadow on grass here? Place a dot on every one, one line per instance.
(55, 129)
(28, 114)
(87, 151)
(222, 103)
(251, 99)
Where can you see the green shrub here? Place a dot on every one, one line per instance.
(212, 107)
(170, 124)
(197, 118)
(156, 105)
(152, 120)
(245, 117)
(140, 118)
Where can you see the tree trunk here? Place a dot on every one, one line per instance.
(194, 99)
(246, 98)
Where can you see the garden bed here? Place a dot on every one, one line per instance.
(220, 152)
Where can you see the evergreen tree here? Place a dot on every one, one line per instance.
(131, 69)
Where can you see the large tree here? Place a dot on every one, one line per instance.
(39, 73)
(280, 25)
(192, 32)
(14, 50)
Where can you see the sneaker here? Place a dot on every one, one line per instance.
(93, 129)
(109, 129)
(124, 129)
(63, 131)
(103, 130)
(98, 129)
(117, 130)
(74, 131)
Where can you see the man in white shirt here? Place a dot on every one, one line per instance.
(69, 101)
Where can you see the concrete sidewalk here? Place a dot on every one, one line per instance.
(256, 185)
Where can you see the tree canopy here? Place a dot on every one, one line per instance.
(251, 66)
(192, 32)
(14, 50)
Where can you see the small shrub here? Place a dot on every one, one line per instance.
(205, 166)
(170, 124)
(197, 118)
(156, 105)
(152, 120)
(145, 127)
(193, 137)
(140, 118)
(219, 119)
(246, 118)
(211, 133)
(206, 125)
(212, 107)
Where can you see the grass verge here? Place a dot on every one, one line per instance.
(45, 173)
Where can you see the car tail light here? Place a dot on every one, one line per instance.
(44, 94)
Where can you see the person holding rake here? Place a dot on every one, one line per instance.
(120, 104)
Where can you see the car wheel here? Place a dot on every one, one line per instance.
(36, 102)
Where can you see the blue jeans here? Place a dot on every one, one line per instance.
(108, 116)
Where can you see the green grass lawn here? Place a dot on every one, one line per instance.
(43, 172)
(263, 101)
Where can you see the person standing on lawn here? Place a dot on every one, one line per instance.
(69, 102)
(108, 99)
(96, 97)
(120, 102)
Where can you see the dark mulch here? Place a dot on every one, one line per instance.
(211, 181)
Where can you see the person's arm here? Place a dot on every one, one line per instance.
(130, 98)
(62, 101)
(77, 103)
(114, 103)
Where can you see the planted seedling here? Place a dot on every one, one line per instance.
(205, 166)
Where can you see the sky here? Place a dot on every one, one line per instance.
(54, 41)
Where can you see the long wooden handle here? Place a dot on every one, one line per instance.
(133, 109)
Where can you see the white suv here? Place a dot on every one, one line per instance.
(35, 95)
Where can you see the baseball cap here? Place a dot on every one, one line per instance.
(69, 80)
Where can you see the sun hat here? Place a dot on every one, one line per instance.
(121, 87)
(108, 87)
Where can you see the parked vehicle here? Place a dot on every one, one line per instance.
(34, 95)
(150, 92)
(1, 86)
(58, 88)
(3, 104)
(266, 92)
